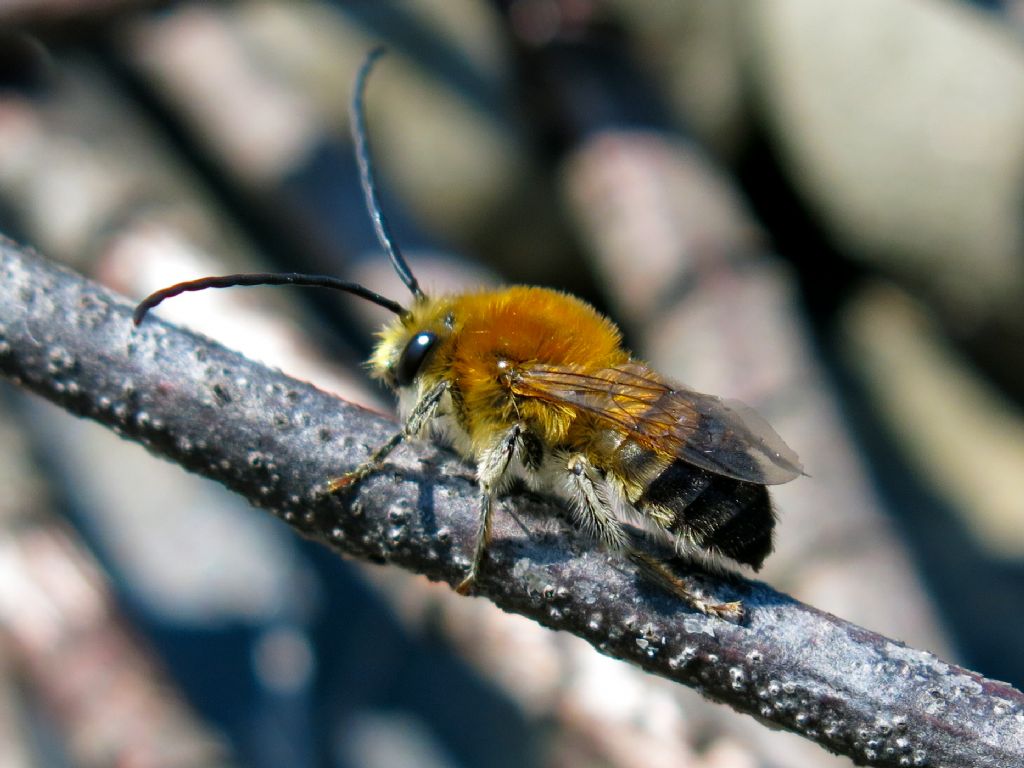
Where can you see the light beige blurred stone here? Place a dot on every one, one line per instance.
(902, 122)
(965, 438)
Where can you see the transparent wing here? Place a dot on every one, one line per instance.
(723, 436)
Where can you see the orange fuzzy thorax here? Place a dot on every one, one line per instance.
(483, 336)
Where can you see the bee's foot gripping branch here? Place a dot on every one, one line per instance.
(676, 584)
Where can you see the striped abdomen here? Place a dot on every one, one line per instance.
(716, 513)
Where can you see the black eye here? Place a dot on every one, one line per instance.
(413, 357)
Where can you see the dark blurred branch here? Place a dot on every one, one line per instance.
(276, 441)
(36, 13)
(61, 629)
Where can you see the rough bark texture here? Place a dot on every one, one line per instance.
(276, 441)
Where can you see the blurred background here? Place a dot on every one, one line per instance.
(814, 206)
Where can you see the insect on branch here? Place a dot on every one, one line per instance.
(277, 441)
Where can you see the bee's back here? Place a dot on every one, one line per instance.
(527, 324)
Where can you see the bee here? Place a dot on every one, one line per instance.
(535, 385)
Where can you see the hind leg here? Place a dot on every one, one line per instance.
(660, 573)
(594, 513)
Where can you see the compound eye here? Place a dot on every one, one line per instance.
(413, 357)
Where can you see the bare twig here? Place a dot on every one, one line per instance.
(276, 440)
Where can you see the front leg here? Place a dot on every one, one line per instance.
(420, 415)
(490, 473)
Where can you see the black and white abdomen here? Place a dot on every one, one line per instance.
(706, 513)
(718, 514)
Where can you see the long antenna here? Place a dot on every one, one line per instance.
(369, 183)
(380, 225)
(263, 278)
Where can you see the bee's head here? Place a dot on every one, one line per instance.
(407, 348)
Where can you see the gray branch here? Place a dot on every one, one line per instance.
(276, 441)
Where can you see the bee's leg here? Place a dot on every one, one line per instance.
(660, 573)
(421, 413)
(490, 472)
(349, 479)
(594, 514)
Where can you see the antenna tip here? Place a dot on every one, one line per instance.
(370, 59)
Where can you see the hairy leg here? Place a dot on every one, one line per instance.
(421, 413)
(594, 514)
(490, 473)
